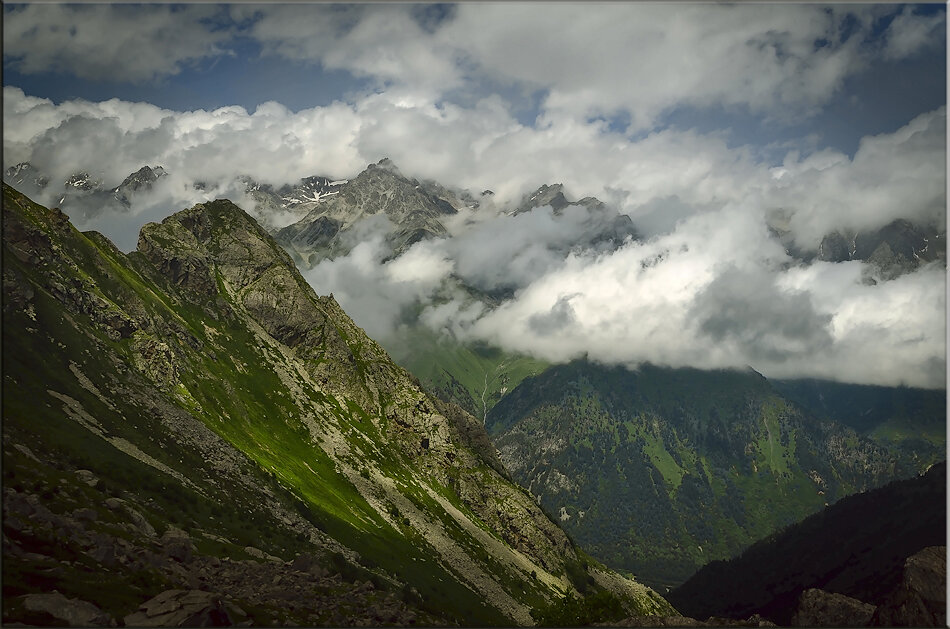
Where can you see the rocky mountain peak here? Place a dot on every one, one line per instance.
(552, 195)
(139, 181)
(385, 164)
(26, 177)
(414, 210)
(83, 181)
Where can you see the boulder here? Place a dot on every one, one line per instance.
(87, 477)
(817, 608)
(921, 597)
(311, 564)
(178, 548)
(257, 553)
(75, 612)
(104, 553)
(140, 522)
(22, 448)
(186, 608)
(85, 513)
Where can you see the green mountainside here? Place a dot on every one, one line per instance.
(192, 416)
(474, 376)
(659, 471)
(903, 418)
(856, 547)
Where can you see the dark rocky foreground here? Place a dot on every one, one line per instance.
(919, 600)
(63, 545)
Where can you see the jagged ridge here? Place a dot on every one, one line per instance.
(204, 363)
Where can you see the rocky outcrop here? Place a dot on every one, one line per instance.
(921, 598)
(187, 608)
(175, 252)
(552, 195)
(74, 612)
(177, 545)
(817, 608)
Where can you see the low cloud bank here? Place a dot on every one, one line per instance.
(705, 286)
(716, 292)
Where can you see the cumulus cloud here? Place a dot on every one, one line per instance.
(910, 32)
(385, 292)
(706, 285)
(714, 291)
(111, 42)
(382, 42)
(644, 60)
(745, 310)
(718, 293)
(640, 60)
(894, 175)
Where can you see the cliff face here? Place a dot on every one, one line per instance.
(208, 391)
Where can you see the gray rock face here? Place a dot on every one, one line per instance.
(819, 608)
(552, 195)
(274, 207)
(897, 248)
(75, 612)
(139, 181)
(26, 178)
(921, 598)
(834, 248)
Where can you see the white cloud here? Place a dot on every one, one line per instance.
(782, 61)
(894, 175)
(911, 32)
(382, 42)
(646, 59)
(110, 42)
(714, 294)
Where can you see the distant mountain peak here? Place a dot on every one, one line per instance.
(387, 165)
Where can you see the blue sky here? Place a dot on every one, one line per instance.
(877, 93)
(707, 123)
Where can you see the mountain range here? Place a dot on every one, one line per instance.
(193, 409)
(208, 413)
(83, 194)
(658, 471)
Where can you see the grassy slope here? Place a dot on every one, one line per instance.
(232, 390)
